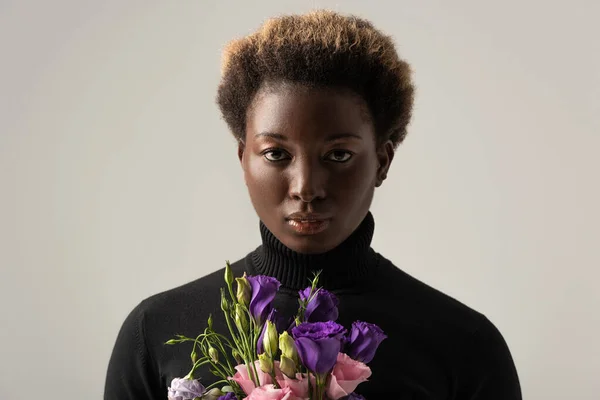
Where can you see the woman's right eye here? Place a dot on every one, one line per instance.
(276, 155)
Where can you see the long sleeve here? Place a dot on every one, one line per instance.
(489, 372)
(131, 374)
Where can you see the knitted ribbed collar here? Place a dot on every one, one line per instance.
(345, 266)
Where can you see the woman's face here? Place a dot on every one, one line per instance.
(311, 164)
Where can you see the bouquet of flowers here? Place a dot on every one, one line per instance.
(314, 358)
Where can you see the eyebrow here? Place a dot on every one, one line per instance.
(271, 135)
(330, 138)
(338, 136)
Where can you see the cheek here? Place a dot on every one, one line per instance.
(360, 176)
(263, 180)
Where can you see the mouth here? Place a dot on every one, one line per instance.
(308, 223)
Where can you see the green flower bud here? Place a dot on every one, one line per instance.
(244, 291)
(226, 389)
(213, 354)
(224, 303)
(228, 274)
(237, 357)
(241, 319)
(288, 347)
(212, 394)
(270, 339)
(315, 281)
(287, 366)
(194, 356)
(210, 322)
(266, 363)
(172, 341)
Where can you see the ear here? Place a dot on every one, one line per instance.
(241, 150)
(385, 156)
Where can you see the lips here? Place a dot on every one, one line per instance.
(308, 223)
(302, 216)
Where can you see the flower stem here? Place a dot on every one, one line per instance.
(219, 369)
(231, 369)
(254, 356)
(198, 364)
(274, 378)
(236, 340)
(320, 383)
(212, 385)
(249, 359)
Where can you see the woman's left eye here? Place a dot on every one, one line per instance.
(339, 156)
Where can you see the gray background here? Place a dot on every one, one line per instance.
(118, 178)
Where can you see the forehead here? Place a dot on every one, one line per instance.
(299, 111)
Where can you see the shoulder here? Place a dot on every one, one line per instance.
(429, 306)
(139, 362)
(192, 294)
(468, 335)
(180, 310)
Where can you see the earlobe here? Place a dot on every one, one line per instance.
(380, 180)
(241, 149)
(385, 154)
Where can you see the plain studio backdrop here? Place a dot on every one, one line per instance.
(119, 179)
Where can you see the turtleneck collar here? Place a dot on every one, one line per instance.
(342, 267)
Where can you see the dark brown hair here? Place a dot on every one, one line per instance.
(323, 49)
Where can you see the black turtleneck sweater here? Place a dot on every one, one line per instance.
(437, 348)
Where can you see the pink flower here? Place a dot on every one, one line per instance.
(347, 374)
(298, 386)
(243, 379)
(269, 392)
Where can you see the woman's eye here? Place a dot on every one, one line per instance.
(276, 155)
(339, 156)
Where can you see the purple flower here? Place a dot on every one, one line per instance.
(264, 289)
(185, 389)
(322, 306)
(228, 396)
(318, 344)
(363, 341)
(353, 396)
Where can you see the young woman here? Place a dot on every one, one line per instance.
(318, 104)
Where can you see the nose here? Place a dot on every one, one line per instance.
(307, 181)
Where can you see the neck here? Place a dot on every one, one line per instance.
(342, 267)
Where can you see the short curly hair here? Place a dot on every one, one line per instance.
(323, 49)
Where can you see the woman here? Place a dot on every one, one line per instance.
(318, 104)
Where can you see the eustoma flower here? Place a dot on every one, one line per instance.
(185, 389)
(270, 392)
(243, 378)
(364, 340)
(321, 306)
(264, 289)
(346, 376)
(298, 384)
(318, 344)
